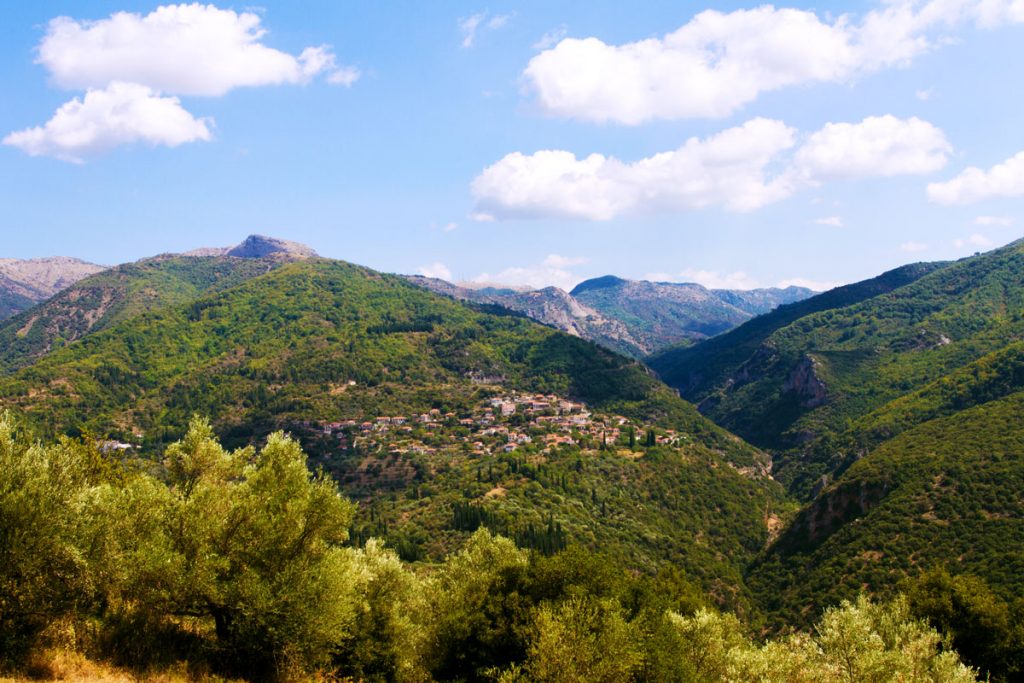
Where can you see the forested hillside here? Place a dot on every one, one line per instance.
(112, 296)
(236, 563)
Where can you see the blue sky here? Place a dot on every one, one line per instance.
(752, 146)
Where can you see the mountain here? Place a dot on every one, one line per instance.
(662, 314)
(892, 408)
(111, 296)
(259, 247)
(24, 283)
(943, 493)
(550, 306)
(634, 318)
(810, 377)
(315, 344)
(287, 343)
(705, 372)
(106, 298)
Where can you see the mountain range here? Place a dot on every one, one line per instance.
(634, 317)
(844, 441)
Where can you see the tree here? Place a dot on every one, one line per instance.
(46, 513)
(581, 640)
(249, 540)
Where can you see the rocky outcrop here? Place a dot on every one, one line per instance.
(803, 380)
(259, 247)
(550, 306)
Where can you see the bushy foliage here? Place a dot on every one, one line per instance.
(233, 561)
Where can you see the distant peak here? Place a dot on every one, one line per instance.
(603, 282)
(260, 246)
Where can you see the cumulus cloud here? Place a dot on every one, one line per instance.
(740, 169)
(122, 113)
(728, 169)
(470, 26)
(1001, 221)
(913, 247)
(877, 146)
(831, 221)
(713, 279)
(718, 62)
(553, 271)
(975, 184)
(436, 270)
(559, 261)
(975, 240)
(132, 67)
(181, 49)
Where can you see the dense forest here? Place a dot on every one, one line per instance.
(211, 562)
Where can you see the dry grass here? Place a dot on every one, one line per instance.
(62, 665)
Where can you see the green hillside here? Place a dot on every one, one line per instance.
(948, 492)
(11, 301)
(699, 370)
(107, 298)
(323, 340)
(821, 371)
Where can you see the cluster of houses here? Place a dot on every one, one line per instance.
(504, 423)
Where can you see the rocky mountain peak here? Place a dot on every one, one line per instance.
(261, 246)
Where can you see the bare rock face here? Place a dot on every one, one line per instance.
(803, 380)
(259, 246)
(44, 277)
(26, 283)
(551, 306)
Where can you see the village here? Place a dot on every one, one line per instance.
(537, 423)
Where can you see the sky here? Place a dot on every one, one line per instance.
(527, 143)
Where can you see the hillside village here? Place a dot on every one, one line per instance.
(506, 423)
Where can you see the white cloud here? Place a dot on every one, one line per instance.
(470, 26)
(559, 261)
(344, 76)
(975, 185)
(181, 49)
(924, 95)
(877, 146)
(713, 279)
(718, 62)
(120, 114)
(913, 247)
(550, 38)
(450, 226)
(533, 277)
(831, 221)
(1001, 221)
(436, 270)
(975, 240)
(740, 169)
(727, 169)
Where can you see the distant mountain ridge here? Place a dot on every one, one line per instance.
(24, 283)
(108, 297)
(637, 318)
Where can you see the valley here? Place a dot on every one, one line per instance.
(868, 411)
